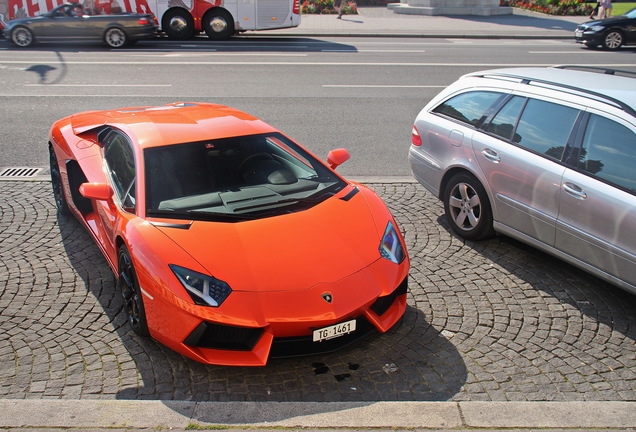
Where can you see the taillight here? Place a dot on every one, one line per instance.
(143, 21)
(296, 8)
(416, 139)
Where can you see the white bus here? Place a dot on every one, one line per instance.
(180, 19)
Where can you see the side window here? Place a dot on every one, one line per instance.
(468, 107)
(609, 152)
(120, 161)
(506, 119)
(545, 127)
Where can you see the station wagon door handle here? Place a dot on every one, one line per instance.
(575, 191)
(491, 155)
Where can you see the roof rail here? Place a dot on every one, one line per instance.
(527, 80)
(606, 71)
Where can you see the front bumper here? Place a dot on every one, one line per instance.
(587, 36)
(375, 297)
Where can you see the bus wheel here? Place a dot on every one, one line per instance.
(178, 24)
(218, 24)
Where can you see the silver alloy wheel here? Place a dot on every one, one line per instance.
(613, 40)
(115, 37)
(465, 206)
(22, 36)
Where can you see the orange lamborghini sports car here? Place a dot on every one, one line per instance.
(230, 242)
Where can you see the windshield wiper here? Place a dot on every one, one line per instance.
(312, 199)
(197, 215)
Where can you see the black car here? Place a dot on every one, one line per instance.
(612, 33)
(69, 23)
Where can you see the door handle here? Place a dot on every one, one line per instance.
(491, 155)
(574, 190)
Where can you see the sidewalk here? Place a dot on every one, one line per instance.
(443, 416)
(380, 21)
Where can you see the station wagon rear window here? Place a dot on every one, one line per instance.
(469, 107)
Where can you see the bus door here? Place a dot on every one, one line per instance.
(274, 13)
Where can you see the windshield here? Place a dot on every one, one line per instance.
(234, 179)
(631, 13)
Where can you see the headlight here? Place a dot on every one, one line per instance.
(391, 247)
(204, 290)
(596, 28)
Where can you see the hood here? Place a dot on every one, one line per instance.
(605, 21)
(296, 251)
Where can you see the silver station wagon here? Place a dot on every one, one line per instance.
(544, 155)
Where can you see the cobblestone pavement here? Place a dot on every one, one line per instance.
(490, 321)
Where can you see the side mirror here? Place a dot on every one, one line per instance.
(96, 191)
(337, 157)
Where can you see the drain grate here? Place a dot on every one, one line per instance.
(20, 172)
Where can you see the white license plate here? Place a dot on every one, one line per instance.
(578, 33)
(334, 331)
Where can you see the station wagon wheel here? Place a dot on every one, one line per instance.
(22, 36)
(178, 24)
(128, 286)
(467, 207)
(56, 182)
(115, 37)
(613, 40)
(218, 24)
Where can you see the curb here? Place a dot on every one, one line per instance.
(57, 413)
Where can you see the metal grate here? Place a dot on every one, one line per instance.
(19, 172)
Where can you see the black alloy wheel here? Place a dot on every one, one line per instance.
(56, 183)
(128, 286)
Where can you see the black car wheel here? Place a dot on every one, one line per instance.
(56, 182)
(128, 286)
(467, 207)
(22, 36)
(218, 24)
(613, 40)
(115, 37)
(178, 24)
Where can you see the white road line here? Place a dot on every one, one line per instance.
(372, 51)
(97, 85)
(558, 52)
(191, 64)
(328, 64)
(382, 86)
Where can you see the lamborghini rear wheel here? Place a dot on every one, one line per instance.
(56, 182)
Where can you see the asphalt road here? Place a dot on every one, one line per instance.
(358, 93)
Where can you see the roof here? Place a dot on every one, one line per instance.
(174, 123)
(593, 81)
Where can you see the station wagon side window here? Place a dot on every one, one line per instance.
(609, 152)
(470, 107)
(505, 122)
(545, 127)
(120, 162)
